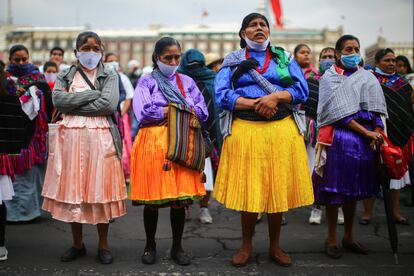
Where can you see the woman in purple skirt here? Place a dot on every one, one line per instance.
(350, 107)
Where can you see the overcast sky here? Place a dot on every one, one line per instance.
(364, 18)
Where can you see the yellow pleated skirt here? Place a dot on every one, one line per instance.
(264, 168)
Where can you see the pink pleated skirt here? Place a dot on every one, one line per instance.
(84, 180)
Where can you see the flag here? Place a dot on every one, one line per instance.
(277, 12)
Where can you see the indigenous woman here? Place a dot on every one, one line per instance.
(156, 182)
(263, 165)
(349, 109)
(403, 67)
(26, 161)
(399, 124)
(303, 56)
(23, 130)
(84, 182)
(326, 60)
(193, 65)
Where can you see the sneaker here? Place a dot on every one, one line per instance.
(3, 253)
(340, 216)
(316, 216)
(205, 216)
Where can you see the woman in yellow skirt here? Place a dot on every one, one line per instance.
(263, 166)
(151, 183)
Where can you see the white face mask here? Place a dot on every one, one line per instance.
(257, 46)
(113, 64)
(89, 60)
(167, 70)
(50, 77)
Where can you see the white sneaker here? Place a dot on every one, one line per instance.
(316, 216)
(340, 216)
(3, 253)
(205, 216)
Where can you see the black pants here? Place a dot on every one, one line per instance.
(3, 218)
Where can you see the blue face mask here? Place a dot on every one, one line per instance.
(89, 60)
(325, 65)
(351, 61)
(167, 70)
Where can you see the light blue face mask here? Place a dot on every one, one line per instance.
(325, 65)
(379, 71)
(167, 70)
(351, 61)
(113, 64)
(89, 60)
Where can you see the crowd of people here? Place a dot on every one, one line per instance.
(261, 130)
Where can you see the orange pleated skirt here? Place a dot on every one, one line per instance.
(150, 184)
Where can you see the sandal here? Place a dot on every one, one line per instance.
(241, 258)
(332, 251)
(355, 247)
(280, 261)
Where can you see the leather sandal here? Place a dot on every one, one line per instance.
(241, 258)
(280, 261)
(332, 251)
(355, 247)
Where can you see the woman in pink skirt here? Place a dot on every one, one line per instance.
(84, 182)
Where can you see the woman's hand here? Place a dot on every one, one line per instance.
(267, 106)
(375, 137)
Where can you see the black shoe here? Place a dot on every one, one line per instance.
(149, 256)
(105, 256)
(73, 253)
(181, 257)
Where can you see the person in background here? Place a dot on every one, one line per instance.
(193, 65)
(153, 184)
(303, 56)
(134, 71)
(111, 60)
(84, 182)
(56, 56)
(28, 164)
(385, 72)
(402, 66)
(50, 71)
(326, 60)
(213, 61)
(348, 132)
(6, 186)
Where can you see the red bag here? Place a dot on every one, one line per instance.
(393, 159)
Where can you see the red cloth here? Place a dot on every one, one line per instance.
(326, 135)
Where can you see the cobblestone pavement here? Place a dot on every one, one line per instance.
(34, 248)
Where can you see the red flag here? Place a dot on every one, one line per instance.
(277, 12)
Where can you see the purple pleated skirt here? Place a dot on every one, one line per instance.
(350, 172)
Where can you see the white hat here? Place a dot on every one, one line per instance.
(133, 63)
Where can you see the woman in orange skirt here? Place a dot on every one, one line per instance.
(151, 183)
